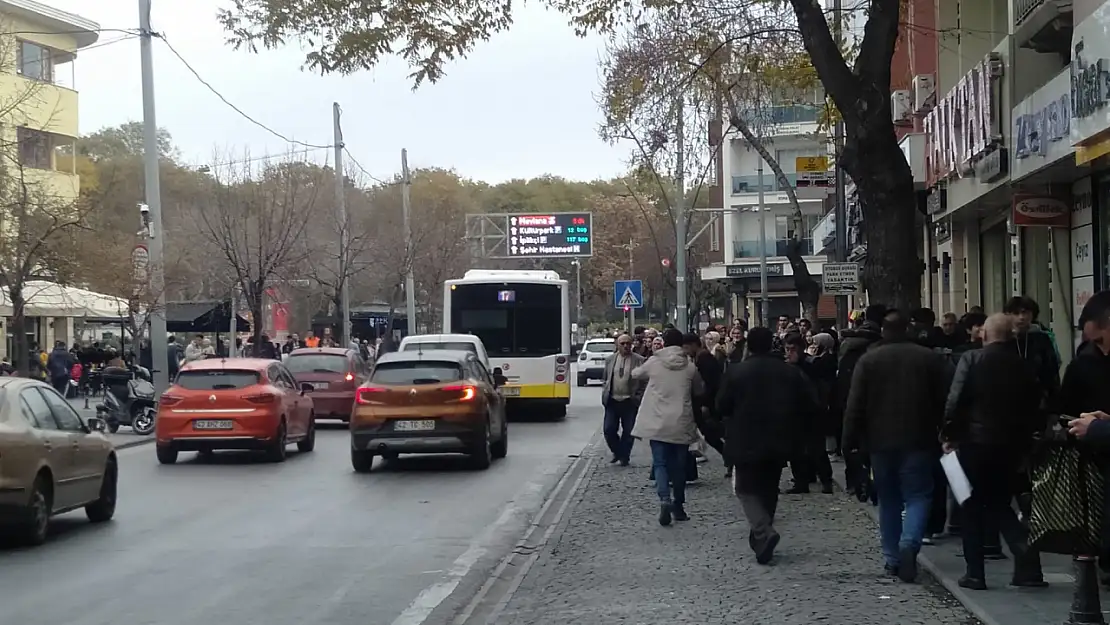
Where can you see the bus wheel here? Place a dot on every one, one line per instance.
(558, 413)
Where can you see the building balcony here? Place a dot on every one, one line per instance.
(39, 105)
(750, 184)
(1042, 25)
(750, 249)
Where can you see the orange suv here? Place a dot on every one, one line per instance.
(234, 403)
(428, 402)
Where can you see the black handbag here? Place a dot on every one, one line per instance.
(1067, 507)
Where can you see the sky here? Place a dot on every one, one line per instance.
(522, 105)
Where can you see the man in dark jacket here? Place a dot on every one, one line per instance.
(811, 463)
(1085, 393)
(992, 413)
(894, 411)
(853, 344)
(763, 401)
(705, 411)
(58, 365)
(1035, 346)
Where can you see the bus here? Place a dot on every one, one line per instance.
(523, 319)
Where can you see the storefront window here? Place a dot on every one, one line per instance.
(995, 270)
(1035, 277)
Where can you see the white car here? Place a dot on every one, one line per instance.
(452, 342)
(591, 360)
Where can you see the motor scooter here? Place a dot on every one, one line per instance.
(128, 399)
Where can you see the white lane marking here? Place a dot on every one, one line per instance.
(430, 598)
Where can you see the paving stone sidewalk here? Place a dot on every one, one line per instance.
(611, 563)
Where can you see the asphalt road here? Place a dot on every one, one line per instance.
(239, 541)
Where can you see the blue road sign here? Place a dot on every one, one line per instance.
(628, 293)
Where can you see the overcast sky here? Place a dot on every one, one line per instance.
(521, 106)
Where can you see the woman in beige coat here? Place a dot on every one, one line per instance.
(666, 420)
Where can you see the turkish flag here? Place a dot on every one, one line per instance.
(279, 317)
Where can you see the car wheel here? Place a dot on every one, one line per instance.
(279, 449)
(166, 455)
(104, 508)
(500, 447)
(362, 461)
(582, 381)
(308, 443)
(481, 452)
(36, 520)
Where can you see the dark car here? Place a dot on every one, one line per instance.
(334, 373)
(435, 401)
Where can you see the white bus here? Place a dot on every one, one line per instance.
(523, 318)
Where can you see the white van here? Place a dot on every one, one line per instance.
(455, 342)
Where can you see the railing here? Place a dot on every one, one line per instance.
(1024, 8)
(750, 184)
(750, 249)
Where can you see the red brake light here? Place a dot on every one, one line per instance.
(168, 400)
(365, 394)
(261, 398)
(467, 392)
(349, 377)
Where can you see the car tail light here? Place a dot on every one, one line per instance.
(561, 360)
(366, 394)
(261, 398)
(466, 391)
(168, 400)
(560, 378)
(350, 377)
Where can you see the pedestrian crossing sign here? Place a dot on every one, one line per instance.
(628, 294)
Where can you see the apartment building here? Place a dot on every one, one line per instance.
(789, 131)
(38, 102)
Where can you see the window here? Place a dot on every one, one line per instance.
(416, 372)
(67, 418)
(529, 326)
(461, 346)
(35, 62)
(216, 379)
(600, 347)
(318, 363)
(37, 411)
(35, 148)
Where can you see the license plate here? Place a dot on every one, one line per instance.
(414, 426)
(213, 424)
(319, 385)
(510, 391)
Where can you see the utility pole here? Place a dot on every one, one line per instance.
(577, 262)
(344, 228)
(840, 211)
(410, 288)
(682, 321)
(764, 299)
(158, 334)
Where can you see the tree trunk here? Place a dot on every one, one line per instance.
(255, 300)
(20, 355)
(809, 291)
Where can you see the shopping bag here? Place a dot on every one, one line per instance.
(1067, 507)
(957, 479)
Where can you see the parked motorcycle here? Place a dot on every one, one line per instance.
(128, 399)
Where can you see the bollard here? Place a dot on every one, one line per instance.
(1086, 608)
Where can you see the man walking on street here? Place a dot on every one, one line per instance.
(58, 365)
(763, 402)
(894, 413)
(620, 396)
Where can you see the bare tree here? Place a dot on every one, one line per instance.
(256, 220)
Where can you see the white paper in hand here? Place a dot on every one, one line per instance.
(957, 479)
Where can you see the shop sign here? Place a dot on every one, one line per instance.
(748, 271)
(937, 202)
(1090, 76)
(1042, 126)
(963, 128)
(1082, 203)
(1035, 210)
(1081, 290)
(942, 230)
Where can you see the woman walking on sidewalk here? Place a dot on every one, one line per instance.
(666, 420)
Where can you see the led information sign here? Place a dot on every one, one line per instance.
(553, 235)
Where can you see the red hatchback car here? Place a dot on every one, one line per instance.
(334, 373)
(234, 403)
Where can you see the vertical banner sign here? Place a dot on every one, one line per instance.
(140, 268)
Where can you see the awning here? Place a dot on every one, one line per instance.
(203, 316)
(47, 299)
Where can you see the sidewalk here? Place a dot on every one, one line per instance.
(610, 562)
(1000, 604)
(122, 439)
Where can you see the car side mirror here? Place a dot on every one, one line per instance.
(306, 388)
(96, 424)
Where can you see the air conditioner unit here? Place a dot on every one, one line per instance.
(900, 110)
(924, 93)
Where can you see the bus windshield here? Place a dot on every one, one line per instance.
(511, 319)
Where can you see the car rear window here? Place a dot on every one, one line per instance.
(461, 346)
(423, 372)
(216, 379)
(600, 347)
(317, 363)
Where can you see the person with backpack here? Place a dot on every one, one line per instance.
(58, 366)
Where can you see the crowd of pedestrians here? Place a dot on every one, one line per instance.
(888, 396)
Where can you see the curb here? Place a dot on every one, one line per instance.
(146, 440)
(970, 603)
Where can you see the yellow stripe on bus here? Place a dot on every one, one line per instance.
(538, 391)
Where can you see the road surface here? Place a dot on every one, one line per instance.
(239, 541)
